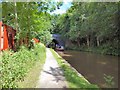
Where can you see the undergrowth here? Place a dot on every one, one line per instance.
(16, 65)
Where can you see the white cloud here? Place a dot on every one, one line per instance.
(59, 11)
(65, 1)
(63, 8)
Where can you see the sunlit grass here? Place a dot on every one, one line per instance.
(21, 69)
(30, 81)
(0, 68)
(73, 78)
(32, 77)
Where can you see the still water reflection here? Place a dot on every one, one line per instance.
(93, 66)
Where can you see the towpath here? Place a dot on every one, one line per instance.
(51, 75)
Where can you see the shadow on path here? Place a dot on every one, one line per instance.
(52, 75)
(57, 73)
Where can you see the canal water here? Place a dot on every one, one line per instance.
(94, 66)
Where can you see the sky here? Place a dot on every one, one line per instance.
(66, 5)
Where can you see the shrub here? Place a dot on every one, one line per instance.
(16, 65)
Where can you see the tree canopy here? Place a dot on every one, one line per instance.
(91, 24)
(86, 24)
(30, 19)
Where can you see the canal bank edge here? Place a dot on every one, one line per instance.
(80, 75)
(72, 68)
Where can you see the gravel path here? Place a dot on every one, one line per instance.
(51, 75)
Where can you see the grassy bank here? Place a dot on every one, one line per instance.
(0, 69)
(105, 49)
(32, 77)
(20, 69)
(73, 78)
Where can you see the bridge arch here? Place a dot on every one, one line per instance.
(57, 40)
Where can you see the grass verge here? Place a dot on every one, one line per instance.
(73, 78)
(0, 69)
(32, 77)
(104, 49)
(30, 80)
(21, 69)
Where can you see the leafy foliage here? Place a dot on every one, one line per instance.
(16, 65)
(28, 18)
(109, 80)
(92, 25)
(0, 11)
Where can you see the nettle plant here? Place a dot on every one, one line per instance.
(109, 80)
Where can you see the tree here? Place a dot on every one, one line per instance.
(92, 24)
(28, 18)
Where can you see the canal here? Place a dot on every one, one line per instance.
(93, 66)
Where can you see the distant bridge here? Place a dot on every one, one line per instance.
(58, 40)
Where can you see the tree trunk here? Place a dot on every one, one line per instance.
(28, 34)
(88, 41)
(16, 23)
(78, 42)
(98, 42)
